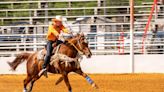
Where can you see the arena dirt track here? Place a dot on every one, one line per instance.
(106, 83)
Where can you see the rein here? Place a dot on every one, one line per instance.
(79, 51)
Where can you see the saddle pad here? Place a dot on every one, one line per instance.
(41, 55)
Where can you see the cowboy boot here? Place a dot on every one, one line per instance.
(43, 72)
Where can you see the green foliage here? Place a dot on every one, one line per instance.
(89, 12)
(18, 14)
(5, 6)
(117, 2)
(2, 14)
(58, 5)
(21, 6)
(56, 12)
(62, 5)
(84, 4)
(75, 12)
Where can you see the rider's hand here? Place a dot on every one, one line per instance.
(70, 32)
(57, 36)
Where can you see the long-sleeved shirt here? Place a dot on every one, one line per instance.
(53, 33)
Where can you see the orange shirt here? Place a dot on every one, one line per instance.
(53, 33)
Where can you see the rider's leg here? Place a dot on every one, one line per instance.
(59, 42)
(49, 49)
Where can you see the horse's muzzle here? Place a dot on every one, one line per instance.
(88, 55)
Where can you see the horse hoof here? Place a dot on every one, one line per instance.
(25, 90)
(95, 86)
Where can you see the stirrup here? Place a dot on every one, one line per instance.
(43, 72)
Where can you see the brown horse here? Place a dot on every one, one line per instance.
(71, 48)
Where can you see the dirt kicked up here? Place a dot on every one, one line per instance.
(106, 83)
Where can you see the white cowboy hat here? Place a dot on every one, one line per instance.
(61, 18)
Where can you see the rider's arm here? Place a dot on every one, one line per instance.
(53, 31)
(65, 30)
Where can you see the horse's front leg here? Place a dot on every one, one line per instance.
(59, 80)
(66, 80)
(89, 80)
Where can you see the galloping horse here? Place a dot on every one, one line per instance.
(71, 48)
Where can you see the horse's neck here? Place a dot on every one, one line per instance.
(68, 49)
(73, 40)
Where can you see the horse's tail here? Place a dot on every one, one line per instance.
(20, 58)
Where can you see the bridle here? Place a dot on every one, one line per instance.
(79, 50)
(79, 45)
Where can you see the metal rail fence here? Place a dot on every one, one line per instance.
(101, 43)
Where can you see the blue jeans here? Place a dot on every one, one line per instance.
(49, 49)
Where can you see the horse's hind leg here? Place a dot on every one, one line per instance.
(89, 80)
(32, 83)
(66, 80)
(31, 86)
(26, 81)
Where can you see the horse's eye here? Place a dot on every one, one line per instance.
(83, 43)
(82, 39)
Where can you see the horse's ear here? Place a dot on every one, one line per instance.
(82, 34)
(77, 34)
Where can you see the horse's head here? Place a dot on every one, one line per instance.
(82, 45)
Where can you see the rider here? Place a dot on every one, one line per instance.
(54, 30)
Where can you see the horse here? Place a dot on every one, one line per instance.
(72, 47)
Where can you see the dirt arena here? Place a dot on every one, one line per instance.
(106, 83)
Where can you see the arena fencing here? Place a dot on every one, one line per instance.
(108, 38)
(101, 42)
(104, 64)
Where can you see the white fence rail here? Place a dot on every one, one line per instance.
(107, 43)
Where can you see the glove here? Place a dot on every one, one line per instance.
(69, 32)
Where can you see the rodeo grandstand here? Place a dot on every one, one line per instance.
(106, 24)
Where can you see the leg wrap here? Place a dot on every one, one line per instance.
(89, 79)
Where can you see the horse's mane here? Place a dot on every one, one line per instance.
(70, 39)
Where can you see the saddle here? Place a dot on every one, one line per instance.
(42, 52)
(58, 57)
